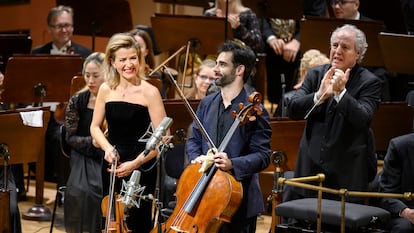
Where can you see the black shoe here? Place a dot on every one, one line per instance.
(21, 196)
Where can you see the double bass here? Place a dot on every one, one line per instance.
(207, 199)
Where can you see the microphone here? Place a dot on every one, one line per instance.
(282, 81)
(158, 134)
(131, 190)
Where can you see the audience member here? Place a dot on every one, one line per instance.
(203, 79)
(129, 104)
(243, 21)
(396, 177)
(310, 59)
(408, 9)
(339, 101)
(83, 194)
(248, 150)
(282, 37)
(245, 26)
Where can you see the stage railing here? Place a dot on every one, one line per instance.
(342, 193)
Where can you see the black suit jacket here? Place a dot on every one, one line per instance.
(78, 49)
(336, 140)
(398, 172)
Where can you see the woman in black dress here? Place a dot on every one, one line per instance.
(129, 104)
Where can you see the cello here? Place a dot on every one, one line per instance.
(113, 208)
(198, 191)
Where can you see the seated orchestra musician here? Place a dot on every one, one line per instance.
(339, 101)
(144, 40)
(396, 177)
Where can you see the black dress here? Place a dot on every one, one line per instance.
(127, 123)
(83, 194)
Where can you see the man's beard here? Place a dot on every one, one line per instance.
(226, 79)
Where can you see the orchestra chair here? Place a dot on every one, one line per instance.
(332, 215)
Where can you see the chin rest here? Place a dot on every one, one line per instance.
(356, 215)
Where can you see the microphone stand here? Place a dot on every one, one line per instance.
(158, 202)
(282, 81)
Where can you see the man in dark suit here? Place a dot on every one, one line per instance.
(60, 27)
(339, 101)
(397, 177)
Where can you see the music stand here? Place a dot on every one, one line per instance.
(282, 9)
(201, 3)
(100, 17)
(397, 51)
(173, 31)
(26, 144)
(54, 73)
(319, 39)
(388, 11)
(11, 44)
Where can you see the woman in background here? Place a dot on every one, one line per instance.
(203, 79)
(83, 194)
(144, 40)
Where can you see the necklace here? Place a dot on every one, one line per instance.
(130, 86)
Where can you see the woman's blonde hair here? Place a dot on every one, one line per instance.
(312, 58)
(116, 42)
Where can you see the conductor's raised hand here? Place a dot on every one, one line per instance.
(325, 89)
(339, 80)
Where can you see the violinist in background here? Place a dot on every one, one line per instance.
(129, 104)
(145, 43)
(83, 194)
(60, 28)
(248, 151)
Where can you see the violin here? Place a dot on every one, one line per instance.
(207, 199)
(113, 208)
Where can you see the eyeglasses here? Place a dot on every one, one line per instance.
(205, 78)
(61, 26)
(340, 2)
